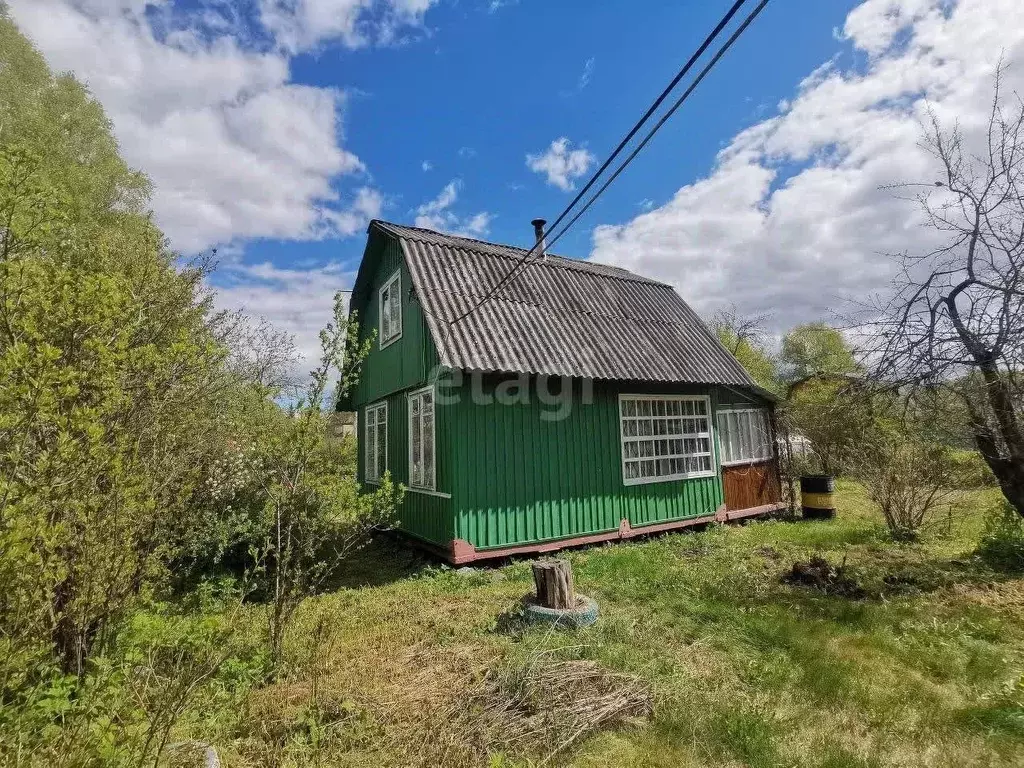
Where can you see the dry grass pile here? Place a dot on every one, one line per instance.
(450, 707)
(534, 708)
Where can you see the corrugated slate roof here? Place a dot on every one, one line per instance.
(560, 316)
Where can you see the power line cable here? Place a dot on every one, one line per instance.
(611, 158)
(679, 102)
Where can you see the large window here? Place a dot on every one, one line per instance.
(665, 438)
(390, 310)
(421, 440)
(376, 442)
(744, 434)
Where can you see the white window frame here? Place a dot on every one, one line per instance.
(382, 405)
(723, 434)
(396, 280)
(710, 435)
(433, 436)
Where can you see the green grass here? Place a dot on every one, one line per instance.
(744, 669)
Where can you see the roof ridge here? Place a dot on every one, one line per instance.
(592, 267)
(395, 225)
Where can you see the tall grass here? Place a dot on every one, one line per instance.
(702, 656)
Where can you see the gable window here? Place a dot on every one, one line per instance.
(744, 435)
(376, 441)
(421, 440)
(390, 310)
(665, 437)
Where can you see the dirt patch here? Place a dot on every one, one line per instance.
(818, 573)
(694, 546)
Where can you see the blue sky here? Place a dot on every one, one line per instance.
(275, 129)
(483, 88)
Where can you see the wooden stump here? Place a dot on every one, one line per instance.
(555, 588)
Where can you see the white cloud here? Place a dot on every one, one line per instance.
(366, 205)
(444, 200)
(588, 71)
(426, 165)
(235, 150)
(299, 25)
(478, 223)
(584, 79)
(796, 242)
(436, 214)
(874, 24)
(298, 301)
(496, 5)
(202, 100)
(561, 164)
(467, 152)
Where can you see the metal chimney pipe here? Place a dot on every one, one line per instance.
(538, 232)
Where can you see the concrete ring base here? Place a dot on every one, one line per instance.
(583, 615)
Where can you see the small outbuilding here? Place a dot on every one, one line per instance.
(579, 403)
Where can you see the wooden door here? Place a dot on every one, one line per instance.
(750, 485)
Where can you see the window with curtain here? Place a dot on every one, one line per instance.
(376, 435)
(390, 310)
(665, 438)
(421, 440)
(744, 434)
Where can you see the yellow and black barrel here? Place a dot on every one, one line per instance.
(817, 496)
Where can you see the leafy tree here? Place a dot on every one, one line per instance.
(816, 349)
(744, 337)
(108, 364)
(315, 512)
(111, 382)
(281, 505)
(835, 416)
(121, 393)
(76, 152)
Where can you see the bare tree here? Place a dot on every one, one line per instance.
(955, 319)
(744, 337)
(734, 330)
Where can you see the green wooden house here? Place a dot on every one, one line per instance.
(581, 403)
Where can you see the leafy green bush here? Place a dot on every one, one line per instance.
(1002, 543)
(280, 505)
(113, 377)
(122, 711)
(138, 430)
(114, 369)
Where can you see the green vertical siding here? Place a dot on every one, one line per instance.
(513, 477)
(423, 515)
(390, 374)
(519, 478)
(407, 362)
